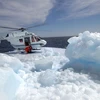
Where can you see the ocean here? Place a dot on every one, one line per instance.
(57, 42)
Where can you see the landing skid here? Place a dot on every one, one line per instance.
(33, 51)
(23, 51)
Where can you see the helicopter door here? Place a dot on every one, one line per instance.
(27, 41)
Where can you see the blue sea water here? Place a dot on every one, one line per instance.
(58, 42)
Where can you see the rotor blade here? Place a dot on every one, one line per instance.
(8, 27)
(43, 30)
(19, 29)
(13, 29)
(36, 26)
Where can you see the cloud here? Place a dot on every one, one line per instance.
(19, 13)
(80, 8)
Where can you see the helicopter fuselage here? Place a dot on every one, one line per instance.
(19, 40)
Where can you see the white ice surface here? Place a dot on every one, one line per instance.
(9, 83)
(8, 61)
(40, 76)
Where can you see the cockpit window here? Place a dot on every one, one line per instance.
(33, 39)
(37, 38)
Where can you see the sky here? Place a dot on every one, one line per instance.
(61, 17)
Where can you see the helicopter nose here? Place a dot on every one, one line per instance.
(43, 42)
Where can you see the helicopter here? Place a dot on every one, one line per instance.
(20, 38)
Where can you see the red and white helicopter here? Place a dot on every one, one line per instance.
(22, 39)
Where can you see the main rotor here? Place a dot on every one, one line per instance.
(21, 29)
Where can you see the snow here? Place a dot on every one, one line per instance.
(7, 61)
(53, 74)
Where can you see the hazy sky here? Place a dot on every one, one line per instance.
(63, 17)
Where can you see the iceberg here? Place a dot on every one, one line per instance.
(83, 52)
